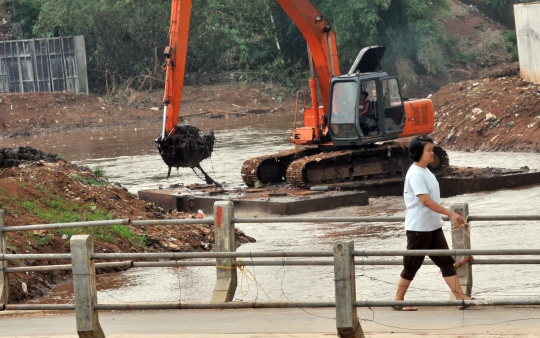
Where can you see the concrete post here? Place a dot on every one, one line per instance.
(80, 61)
(4, 279)
(461, 239)
(224, 241)
(84, 287)
(348, 325)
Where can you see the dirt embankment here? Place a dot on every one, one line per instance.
(493, 114)
(43, 113)
(52, 190)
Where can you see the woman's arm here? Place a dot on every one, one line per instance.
(436, 207)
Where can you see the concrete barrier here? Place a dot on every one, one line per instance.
(224, 241)
(84, 287)
(4, 280)
(347, 323)
(461, 239)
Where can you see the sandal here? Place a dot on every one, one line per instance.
(404, 308)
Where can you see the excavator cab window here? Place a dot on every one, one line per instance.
(394, 112)
(344, 109)
(369, 122)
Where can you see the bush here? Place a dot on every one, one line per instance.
(492, 49)
(511, 37)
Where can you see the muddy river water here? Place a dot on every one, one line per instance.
(129, 157)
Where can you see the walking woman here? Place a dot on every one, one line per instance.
(423, 222)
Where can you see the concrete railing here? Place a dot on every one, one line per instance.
(83, 267)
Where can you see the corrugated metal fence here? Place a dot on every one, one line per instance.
(43, 65)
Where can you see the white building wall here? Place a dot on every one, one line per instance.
(528, 40)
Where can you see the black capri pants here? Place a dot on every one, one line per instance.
(422, 240)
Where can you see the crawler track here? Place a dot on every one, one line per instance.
(378, 163)
(269, 169)
(307, 167)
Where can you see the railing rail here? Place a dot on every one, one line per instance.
(304, 262)
(382, 219)
(345, 257)
(210, 221)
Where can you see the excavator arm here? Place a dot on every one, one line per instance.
(320, 39)
(175, 54)
(182, 146)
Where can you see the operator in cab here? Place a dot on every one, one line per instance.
(363, 106)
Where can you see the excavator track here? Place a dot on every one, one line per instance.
(377, 163)
(270, 169)
(307, 167)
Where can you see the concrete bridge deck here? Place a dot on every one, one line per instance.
(439, 322)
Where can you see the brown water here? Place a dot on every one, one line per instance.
(129, 156)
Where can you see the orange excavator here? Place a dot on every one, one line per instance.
(346, 139)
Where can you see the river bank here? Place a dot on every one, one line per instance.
(38, 188)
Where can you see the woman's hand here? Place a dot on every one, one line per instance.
(458, 220)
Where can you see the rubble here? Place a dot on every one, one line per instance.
(508, 102)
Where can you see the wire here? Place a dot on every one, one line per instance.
(282, 268)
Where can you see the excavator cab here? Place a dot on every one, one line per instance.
(386, 113)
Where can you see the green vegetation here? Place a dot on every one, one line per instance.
(110, 233)
(465, 58)
(42, 189)
(239, 41)
(497, 5)
(55, 209)
(99, 172)
(89, 180)
(511, 37)
(37, 240)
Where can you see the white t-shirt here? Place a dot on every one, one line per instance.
(418, 217)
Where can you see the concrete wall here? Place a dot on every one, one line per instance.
(528, 40)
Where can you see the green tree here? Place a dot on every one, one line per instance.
(122, 37)
(242, 39)
(25, 13)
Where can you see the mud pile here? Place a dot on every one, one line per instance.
(13, 157)
(50, 191)
(492, 114)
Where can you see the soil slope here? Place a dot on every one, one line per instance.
(51, 190)
(493, 114)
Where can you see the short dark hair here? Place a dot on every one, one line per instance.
(364, 93)
(416, 147)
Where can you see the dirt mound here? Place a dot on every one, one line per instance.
(43, 113)
(13, 157)
(38, 113)
(58, 192)
(493, 114)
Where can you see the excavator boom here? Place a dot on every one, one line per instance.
(320, 39)
(175, 54)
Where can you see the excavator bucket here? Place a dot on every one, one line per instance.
(186, 147)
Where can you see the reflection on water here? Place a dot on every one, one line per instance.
(130, 158)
